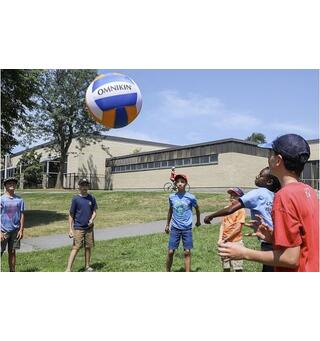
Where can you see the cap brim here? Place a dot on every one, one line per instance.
(230, 191)
(265, 145)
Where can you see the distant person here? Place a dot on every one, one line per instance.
(295, 213)
(259, 201)
(181, 204)
(231, 231)
(12, 221)
(173, 174)
(81, 222)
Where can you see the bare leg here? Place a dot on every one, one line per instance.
(169, 260)
(12, 260)
(187, 259)
(87, 257)
(72, 256)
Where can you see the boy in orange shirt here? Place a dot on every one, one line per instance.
(231, 231)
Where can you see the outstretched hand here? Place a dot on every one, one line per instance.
(230, 250)
(262, 230)
(207, 220)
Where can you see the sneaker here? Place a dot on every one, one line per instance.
(88, 269)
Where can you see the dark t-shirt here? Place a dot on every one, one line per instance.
(81, 210)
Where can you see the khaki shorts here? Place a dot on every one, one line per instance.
(233, 264)
(11, 240)
(83, 238)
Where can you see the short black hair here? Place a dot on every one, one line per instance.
(294, 165)
(276, 185)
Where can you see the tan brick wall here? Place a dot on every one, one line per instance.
(233, 169)
(93, 157)
(45, 152)
(314, 151)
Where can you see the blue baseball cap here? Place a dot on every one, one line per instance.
(291, 146)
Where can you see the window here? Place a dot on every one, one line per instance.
(195, 160)
(187, 161)
(164, 163)
(204, 159)
(214, 158)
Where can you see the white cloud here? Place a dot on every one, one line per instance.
(189, 105)
(194, 105)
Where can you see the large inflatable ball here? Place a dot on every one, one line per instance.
(113, 100)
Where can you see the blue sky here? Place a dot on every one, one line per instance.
(191, 106)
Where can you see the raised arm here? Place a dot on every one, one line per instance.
(235, 206)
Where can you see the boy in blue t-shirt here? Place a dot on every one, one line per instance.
(12, 221)
(180, 215)
(259, 201)
(82, 214)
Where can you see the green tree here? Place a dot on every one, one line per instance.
(32, 168)
(256, 138)
(62, 114)
(18, 90)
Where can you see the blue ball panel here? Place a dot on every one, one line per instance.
(121, 119)
(112, 102)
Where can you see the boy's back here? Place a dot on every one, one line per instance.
(296, 217)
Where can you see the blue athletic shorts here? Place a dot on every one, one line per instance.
(176, 235)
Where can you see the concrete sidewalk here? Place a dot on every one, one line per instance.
(131, 230)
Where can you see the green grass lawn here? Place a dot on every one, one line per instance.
(47, 213)
(139, 254)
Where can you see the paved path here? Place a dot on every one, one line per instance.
(59, 240)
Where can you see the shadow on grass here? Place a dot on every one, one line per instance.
(33, 269)
(183, 270)
(41, 217)
(95, 266)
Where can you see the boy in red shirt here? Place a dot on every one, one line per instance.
(295, 213)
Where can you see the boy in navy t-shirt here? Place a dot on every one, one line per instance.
(81, 216)
(180, 215)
